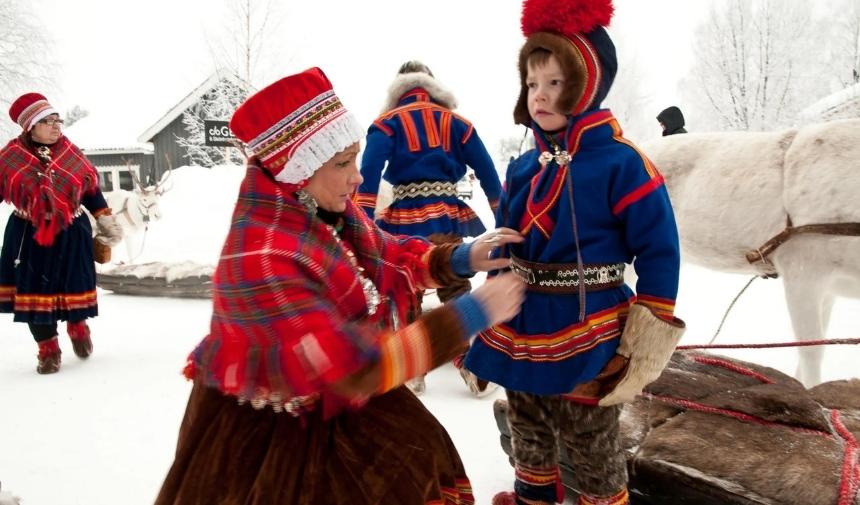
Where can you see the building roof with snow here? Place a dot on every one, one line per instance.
(842, 104)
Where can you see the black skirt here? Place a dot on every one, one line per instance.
(49, 284)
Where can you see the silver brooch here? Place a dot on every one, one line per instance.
(560, 157)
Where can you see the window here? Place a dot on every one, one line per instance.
(116, 177)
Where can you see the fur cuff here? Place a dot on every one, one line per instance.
(404, 82)
(648, 342)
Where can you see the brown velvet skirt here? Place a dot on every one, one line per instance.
(392, 451)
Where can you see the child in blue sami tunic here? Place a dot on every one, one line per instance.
(422, 148)
(588, 203)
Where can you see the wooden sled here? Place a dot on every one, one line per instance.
(156, 279)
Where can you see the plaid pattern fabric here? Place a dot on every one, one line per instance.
(289, 313)
(49, 193)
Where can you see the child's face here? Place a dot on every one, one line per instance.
(545, 83)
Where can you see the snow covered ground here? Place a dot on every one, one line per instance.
(102, 432)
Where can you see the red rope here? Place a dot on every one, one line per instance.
(850, 468)
(832, 341)
(733, 367)
(741, 416)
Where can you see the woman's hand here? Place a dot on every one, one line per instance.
(501, 297)
(483, 247)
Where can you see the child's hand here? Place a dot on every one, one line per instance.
(483, 247)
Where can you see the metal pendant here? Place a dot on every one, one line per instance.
(371, 294)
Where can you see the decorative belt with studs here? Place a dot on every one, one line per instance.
(295, 406)
(563, 278)
(424, 189)
(23, 214)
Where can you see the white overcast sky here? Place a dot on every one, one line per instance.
(129, 62)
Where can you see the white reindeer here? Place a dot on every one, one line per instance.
(734, 192)
(134, 210)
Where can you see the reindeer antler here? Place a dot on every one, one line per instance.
(133, 173)
(158, 188)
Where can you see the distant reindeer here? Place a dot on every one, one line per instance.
(134, 210)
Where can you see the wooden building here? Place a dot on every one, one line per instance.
(112, 149)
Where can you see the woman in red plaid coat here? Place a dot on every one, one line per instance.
(47, 272)
(298, 393)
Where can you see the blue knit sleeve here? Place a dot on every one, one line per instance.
(471, 313)
(460, 262)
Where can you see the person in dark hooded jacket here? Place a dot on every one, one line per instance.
(672, 121)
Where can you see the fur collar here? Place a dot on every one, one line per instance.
(404, 82)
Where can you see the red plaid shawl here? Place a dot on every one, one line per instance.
(49, 192)
(289, 314)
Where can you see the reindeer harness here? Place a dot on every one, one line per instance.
(840, 229)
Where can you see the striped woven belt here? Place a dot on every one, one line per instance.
(23, 214)
(564, 277)
(424, 189)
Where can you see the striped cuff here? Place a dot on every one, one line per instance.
(471, 313)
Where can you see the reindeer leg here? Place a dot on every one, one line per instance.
(809, 310)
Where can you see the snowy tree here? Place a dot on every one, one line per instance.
(628, 101)
(217, 104)
(754, 68)
(250, 25)
(24, 61)
(75, 114)
(845, 43)
(513, 146)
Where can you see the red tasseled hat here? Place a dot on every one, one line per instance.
(295, 125)
(29, 108)
(566, 17)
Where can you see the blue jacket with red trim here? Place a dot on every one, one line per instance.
(622, 215)
(421, 140)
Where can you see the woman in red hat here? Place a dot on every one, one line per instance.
(298, 393)
(47, 270)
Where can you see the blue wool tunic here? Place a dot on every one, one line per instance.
(423, 141)
(623, 215)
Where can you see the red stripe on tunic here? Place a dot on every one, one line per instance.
(411, 131)
(637, 194)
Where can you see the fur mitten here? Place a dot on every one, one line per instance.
(109, 230)
(648, 342)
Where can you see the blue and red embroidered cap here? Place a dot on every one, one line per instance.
(295, 125)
